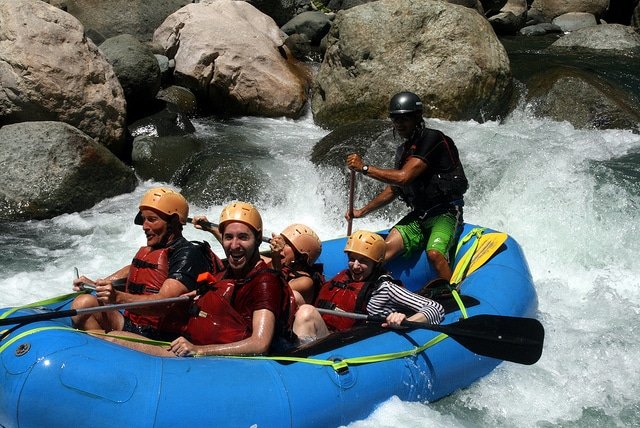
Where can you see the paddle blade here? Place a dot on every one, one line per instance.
(459, 272)
(514, 339)
(487, 247)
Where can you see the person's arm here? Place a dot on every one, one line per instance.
(201, 222)
(106, 294)
(263, 323)
(120, 274)
(426, 310)
(303, 285)
(411, 169)
(277, 244)
(186, 262)
(380, 200)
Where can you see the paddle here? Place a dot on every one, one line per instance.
(45, 316)
(477, 255)
(488, 245)
(119, 283)
(514, 339)
(352, 187)
(210, 226)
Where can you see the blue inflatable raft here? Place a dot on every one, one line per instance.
(55, 376)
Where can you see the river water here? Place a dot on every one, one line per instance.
(569, 197)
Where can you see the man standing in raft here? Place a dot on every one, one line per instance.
(428, 177)
(168, 266)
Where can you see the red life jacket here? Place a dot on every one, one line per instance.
(148, 271)
(342, 293)
(214, 318)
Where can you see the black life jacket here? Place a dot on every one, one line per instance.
(443, 182)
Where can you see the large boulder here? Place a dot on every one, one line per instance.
(546, 10)
(232, 57)
(51, 168)
(50, 71)
(601, 37)
(114, 17)
(582, 99)
(280, 10)
(375, 141)
(138, 72)
(161, 158)
(447, 54)
(573, 21)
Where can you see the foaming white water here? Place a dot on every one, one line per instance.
(545, 183)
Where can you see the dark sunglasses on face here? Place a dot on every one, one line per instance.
(400, 118)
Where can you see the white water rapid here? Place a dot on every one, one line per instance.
(569, 197)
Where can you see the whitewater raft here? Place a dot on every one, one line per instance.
(54, 376)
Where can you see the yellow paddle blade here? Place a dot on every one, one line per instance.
(487, 247)
(460, 270)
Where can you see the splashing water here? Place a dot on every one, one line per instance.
(569, 197)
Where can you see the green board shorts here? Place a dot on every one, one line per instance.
(433, 233)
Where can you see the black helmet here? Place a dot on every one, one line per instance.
(404, 102)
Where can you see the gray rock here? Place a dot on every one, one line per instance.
(139, 18)
(137, 70)
(585, 101)
(601, 37)
(51, 168)
(540, 29)
(491, 7)
(346, 4)
(574, 21)
(184, 100)
(232, 57)
(162, 158)
(314, 25)
(280, 10)
(506, 23)
(374, 140)
(546, 10)
(461, 71)
(50, 71)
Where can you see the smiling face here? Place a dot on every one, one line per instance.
(361, 267)
(287, 255)
(239, 243)
(404, 124)
(156, 228)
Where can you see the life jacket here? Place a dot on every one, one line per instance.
(148, 271)
(342, 293)
(443, 182)
(214, 319)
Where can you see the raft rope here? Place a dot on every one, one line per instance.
(338, 365)
(45, 302)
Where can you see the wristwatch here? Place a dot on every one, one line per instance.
(365, 169)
